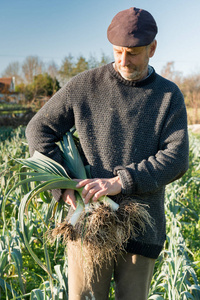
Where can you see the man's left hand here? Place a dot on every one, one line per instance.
(95, 188)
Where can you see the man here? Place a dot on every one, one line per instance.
(132, 127)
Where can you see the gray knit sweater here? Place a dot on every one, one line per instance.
(135, 129)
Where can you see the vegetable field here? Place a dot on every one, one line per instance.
(32, 268)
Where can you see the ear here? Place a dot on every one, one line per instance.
(152, 48)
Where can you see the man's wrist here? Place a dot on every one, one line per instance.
(125, 179)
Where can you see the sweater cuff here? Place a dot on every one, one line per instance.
(126, 180)
(57, 194)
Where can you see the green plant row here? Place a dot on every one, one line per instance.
(176, 274)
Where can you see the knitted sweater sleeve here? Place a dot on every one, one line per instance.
(48, 126)
(169, 163)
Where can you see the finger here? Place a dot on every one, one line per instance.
(69, 198)
(95, 193)
(83, 182)
(98, 195)
(89, 195)
(88, 187)
(72, 203)
(78, 180)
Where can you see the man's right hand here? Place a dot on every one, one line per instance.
(69, 197)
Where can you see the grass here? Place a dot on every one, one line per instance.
(193, 116)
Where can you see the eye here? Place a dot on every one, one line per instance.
(133, 54)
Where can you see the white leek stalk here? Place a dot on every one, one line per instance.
(106, 200)
(77, 213)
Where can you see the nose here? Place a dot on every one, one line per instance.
(124, 59)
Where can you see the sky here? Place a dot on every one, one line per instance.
(53, 29)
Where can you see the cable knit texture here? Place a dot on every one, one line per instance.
(139, 126)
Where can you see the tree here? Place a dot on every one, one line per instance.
(66, 69)
(104, 60)
(70, 68)
(169, 72)
(80, 66)
(191, 90)
(31, 67)
(13, 70)
(93, 62)
(26, 91)
(52, 70)
(43, 85)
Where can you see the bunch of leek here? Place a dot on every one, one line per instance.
(73, 162)
(54, 176)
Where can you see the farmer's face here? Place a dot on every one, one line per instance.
(132, 63)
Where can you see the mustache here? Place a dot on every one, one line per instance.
(127, 68)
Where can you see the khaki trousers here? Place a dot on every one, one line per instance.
(132, 276)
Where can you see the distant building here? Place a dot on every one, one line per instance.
(7, 90)
(7, 85)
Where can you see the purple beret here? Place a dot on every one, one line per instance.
(132, 27)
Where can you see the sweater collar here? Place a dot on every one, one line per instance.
(150, 77)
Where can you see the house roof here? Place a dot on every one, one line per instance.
(6, 80)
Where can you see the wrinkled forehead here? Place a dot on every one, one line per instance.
(134, 50)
